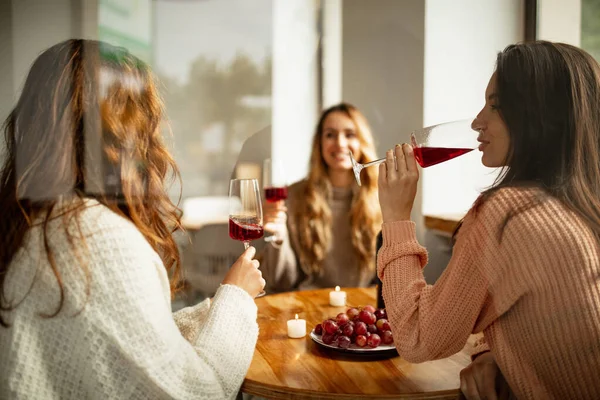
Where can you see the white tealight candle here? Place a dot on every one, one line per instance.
(337, 298)
(296, 328)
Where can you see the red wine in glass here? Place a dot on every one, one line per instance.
(428, 156)
(274, 194)
(245, 229)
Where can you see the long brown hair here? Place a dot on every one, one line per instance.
(548, 94)
(86, 126)
(314, 213)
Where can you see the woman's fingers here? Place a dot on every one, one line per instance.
(468, 386)
(409, 155)
(390, 163)
(400, 159)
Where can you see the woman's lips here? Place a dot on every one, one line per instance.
(482, 146)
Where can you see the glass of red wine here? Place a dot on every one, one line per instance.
(275, 186)
(245, 212)
(434, 145)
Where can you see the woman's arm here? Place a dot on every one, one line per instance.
(279, 265)
(135, 331)
(434, 321)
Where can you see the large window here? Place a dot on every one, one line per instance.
(213, 59)
(590, 27)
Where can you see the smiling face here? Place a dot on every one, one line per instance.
(493, 133)
(339, 136)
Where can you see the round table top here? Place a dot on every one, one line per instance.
(284, 368)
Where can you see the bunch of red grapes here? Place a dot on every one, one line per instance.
(363, 326)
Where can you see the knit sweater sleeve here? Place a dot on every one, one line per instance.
(139, 336)
(279, 265)
(190, 319)
(434, 321)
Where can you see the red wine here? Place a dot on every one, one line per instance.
(273, 194)
(244, 229)
(428, 156)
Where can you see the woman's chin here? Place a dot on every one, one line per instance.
(341, 166)
(487, 162)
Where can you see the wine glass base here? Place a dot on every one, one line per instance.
(261, 294)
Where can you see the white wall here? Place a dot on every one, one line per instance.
(6, 61)
(458, 66)
(294, 92)
(382, 69)
(332, 52)
(37, 25)
(559, 21)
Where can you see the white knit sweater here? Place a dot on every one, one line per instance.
(124, 342)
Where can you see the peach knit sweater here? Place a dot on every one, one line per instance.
(535, 294)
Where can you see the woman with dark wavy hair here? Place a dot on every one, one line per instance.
(329, 225)
(525, 269)
(86, 247)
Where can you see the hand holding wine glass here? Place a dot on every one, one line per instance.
(245, 274)
(398, 178)
(276, 192)
(245, 212)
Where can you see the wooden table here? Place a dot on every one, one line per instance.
(284, 368)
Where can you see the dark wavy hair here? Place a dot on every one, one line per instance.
(548, 94)
(87, 125)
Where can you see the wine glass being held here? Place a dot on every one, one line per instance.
(275, 220)
(245, 274)
(398, 178)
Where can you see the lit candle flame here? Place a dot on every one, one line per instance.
(296, 316)
(337, 288)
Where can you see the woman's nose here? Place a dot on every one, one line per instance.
(477, 124)
(341, 141)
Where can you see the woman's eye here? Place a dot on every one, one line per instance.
(494, 107)
(350, 135)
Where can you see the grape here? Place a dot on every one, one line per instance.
(352, 313)
(348, 329)
(369, 308)
(372, 328)
(360, 328)
(342, 319)
(373, 340)
(319, 329)
(380, 313)
(367, 317)
(327, 338)
(383, 325)
(361, 340)
(344, 342)
(330, 326)
(387, 337)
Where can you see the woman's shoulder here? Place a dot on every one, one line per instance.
(298, 188)
(98, 226)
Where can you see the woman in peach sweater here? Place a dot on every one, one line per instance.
(525, 269)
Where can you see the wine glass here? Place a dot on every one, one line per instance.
(275, 186)
(245, 212)
(434, 145)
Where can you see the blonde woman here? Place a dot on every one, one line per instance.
(329, 226)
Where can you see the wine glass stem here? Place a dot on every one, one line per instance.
(246, 245)
(374, 162)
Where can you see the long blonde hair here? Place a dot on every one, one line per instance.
(314, 214)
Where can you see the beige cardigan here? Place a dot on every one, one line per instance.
(280, 264)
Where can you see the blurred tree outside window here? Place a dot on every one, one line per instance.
(590, 27)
